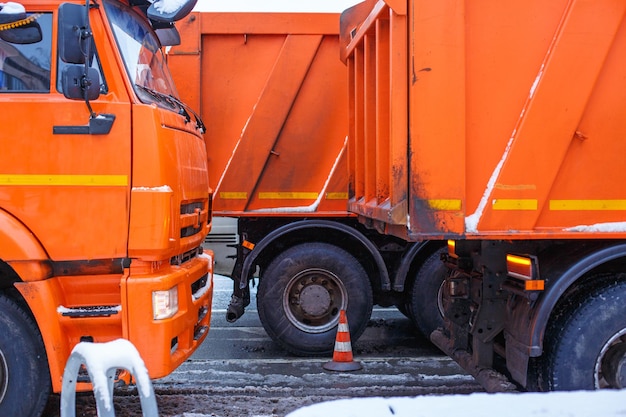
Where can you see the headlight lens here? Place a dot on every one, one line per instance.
(165, 303)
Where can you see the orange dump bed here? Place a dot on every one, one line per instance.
(272, 91)
(488, 118)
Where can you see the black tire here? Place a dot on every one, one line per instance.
(425, 294)
(302, 291)
(585, 347)
(24, 375)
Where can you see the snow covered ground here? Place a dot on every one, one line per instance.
(302, 389)
(606, 403)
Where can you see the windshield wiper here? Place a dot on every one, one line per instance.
(183, 109)
(165, 98)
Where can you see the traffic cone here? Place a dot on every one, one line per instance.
(342, 356)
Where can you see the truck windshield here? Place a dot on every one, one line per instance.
(143, 56)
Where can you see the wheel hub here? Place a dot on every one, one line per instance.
(313, 299)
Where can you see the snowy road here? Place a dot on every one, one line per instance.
(239, 371)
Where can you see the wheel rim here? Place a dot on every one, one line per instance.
(610, 368)
(312, 300)
(4, 376)
(440, 298)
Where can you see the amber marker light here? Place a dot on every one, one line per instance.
(534, 285)
(519, 267)
(522, 267)
(452, 248)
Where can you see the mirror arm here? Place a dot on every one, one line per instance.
(86, 35)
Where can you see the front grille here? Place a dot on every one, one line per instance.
(184, 257)
(189, 231)
(190, 208)
(193, 217)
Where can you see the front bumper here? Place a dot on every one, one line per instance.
(164, 344)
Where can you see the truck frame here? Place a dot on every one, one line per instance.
(104, 195)
(497, 126)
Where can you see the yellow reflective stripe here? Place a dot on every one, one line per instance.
(514, 204)
(444, 204)
(60, 180)
(234, 195)
(282, 195)
(286, 195)
(587, 205)
(337, 196)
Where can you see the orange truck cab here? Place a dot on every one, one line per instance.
(499, 126)
(104, 195)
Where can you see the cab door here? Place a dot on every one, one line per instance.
(68, 185)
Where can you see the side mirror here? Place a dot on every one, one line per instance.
(17, 28)
(170, 11)
(72, 24)
(80, 86)
(168, 36)
(78, 80)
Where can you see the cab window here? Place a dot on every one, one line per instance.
(24, 57)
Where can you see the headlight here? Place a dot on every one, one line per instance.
(165, 303)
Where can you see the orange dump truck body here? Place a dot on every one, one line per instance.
(100, 232)
(499, 126)
(275, 138)
(502, 120)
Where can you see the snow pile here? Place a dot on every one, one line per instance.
(169, 6)
(103, 310)
(161, 189)
(604, 403)
(614, 227)
(11, 8)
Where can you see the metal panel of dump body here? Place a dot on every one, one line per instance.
(487, 118)
(272, 92)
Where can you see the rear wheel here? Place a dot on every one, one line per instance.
(586, 347)
(302, 291)
(426, 294)
(24, 374)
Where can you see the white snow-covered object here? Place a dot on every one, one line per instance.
(169, 6)
(604, 403)
(11, 8)
(102, 361)
(170, 10)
